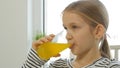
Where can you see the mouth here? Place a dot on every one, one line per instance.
(72, 45)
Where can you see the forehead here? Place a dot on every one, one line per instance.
(71, 17)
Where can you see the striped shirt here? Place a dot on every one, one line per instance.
(33, 61)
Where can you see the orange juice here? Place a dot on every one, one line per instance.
(51, 49)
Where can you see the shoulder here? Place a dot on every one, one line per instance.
(114, 64)
(106, 63)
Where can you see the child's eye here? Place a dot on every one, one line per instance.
(74, 27)
(65, 28)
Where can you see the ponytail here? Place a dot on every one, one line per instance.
(105, 49)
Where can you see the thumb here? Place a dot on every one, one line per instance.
(57, 55)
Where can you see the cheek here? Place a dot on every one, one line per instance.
(83, 44)
(84, 39)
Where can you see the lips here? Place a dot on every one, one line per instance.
(71, 46)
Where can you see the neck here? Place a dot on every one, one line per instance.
(87, 58)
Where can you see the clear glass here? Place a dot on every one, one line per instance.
(50, 49)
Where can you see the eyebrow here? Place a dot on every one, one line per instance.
(72, 23)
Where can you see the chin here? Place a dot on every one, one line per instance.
(74, 52)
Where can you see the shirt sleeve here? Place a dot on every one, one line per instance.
(33, 61)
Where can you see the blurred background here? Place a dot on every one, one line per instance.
(21, 20)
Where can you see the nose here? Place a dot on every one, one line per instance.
(68, 36)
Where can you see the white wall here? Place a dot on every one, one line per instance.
(13, 33)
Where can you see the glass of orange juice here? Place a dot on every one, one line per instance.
(50, 49)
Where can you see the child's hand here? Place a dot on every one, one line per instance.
(37, 43)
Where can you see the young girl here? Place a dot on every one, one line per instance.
(85, 22)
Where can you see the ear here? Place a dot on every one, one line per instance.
(99, 31)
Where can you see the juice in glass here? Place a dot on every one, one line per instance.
(50, 49)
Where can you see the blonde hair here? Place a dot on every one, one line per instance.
(94, 11)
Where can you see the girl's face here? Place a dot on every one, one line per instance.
(79, 34)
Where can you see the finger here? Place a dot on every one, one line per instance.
(49, 38)
(57, 55)
(52, 35)
(39, 42)
(35, 45)
(43, 40)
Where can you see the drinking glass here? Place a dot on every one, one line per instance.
(53, 48)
